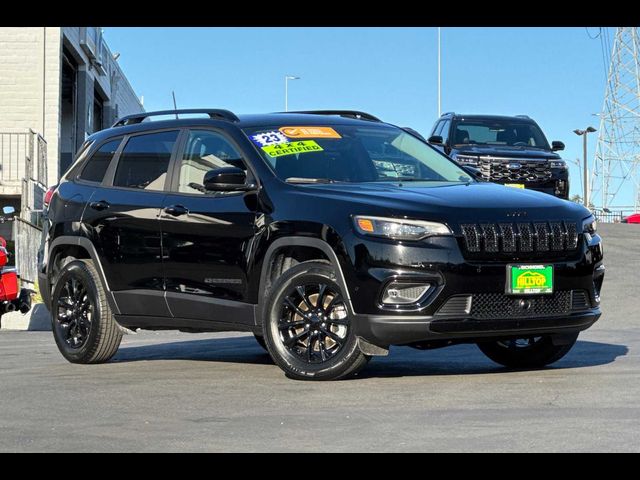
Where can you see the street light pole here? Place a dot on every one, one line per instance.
(286, 90)
(585, 171)
(439, 78)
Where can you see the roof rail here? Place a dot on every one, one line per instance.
(342, 113)
(216, 113)
(523, 116)
(447, 113)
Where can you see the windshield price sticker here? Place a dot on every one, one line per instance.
(310, 132)
(281, 149)
(269, 138)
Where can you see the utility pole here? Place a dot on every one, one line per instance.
(616, 162)
(585, 168)
(439, 77)
(286, 90)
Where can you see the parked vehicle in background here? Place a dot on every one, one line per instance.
(329, 235)
(12, 297)
(633, 218)
(507, 150)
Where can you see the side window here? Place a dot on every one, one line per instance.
(144, 161)
(437, 128)
(205, 150)
(444, 133)
(97, 165)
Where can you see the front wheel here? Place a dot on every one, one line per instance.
(532, 352)
(307, 327)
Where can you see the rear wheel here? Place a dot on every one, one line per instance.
(529, 352)
(307, 327)
(82, 321)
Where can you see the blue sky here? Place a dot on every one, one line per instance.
(554, 75)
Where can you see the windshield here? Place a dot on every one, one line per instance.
(346, 153)
(498, 132)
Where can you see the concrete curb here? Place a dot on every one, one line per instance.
(36, 319)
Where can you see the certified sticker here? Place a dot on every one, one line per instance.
(269, 138)
(310, 132)
(281, 149)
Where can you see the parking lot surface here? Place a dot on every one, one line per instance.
(170, 391)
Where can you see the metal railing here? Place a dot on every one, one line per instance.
(611, 216)
(27, 237)
(22, 155)
(23, 171)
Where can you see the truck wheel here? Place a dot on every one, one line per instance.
(531, 352)
(307, 327)
(83, 324)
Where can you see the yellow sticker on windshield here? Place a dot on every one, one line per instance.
(310, 132)
(281, 149)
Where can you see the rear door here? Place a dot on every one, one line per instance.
(207, 237)
(122, 218)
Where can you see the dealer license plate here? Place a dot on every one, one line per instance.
(529, 279)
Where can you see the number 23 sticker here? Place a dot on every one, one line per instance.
(269, 138)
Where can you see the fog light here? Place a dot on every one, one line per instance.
(404, 293)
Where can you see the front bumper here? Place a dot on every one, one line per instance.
(384, 330)
(558, 186)
(573, 307)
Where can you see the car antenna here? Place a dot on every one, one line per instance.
(175, 107)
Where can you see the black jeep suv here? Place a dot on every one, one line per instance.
(330, 235)
(506, 150)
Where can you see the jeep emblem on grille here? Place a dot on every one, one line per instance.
(516, 214)
(514, 166)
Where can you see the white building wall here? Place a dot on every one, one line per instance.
(30, 76)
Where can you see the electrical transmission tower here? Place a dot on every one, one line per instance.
(616, 166)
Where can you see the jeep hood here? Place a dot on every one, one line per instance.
(447, 202)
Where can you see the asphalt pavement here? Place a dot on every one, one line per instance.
(171, 391)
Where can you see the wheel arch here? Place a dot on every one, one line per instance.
(308, 244)
(79, 248)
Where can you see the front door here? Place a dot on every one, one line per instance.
(207, 236)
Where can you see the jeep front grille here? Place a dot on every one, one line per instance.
(514, 170)
(513, 238)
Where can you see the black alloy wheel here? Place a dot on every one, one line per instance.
(307, 325)
(313, 322)
(75, 311)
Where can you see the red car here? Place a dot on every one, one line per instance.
(633, 218)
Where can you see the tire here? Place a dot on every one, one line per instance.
(538, 354)
(321, 347)
(260, 340)
(97, 336)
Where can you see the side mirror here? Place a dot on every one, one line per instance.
(226, 179)
(474, 172)
(8, 210)
(556, 146)
(436, 140)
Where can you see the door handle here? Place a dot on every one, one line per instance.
(101, 205)
(176, 210)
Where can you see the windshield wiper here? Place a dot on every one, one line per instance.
(310, 180)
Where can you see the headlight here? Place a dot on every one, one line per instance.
(558, 164)
(467, 160)
(589, 225)
(398, 228)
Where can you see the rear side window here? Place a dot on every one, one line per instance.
(97, 165)
(144, 161)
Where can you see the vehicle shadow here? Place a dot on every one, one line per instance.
(468, 359)
(402, 361)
